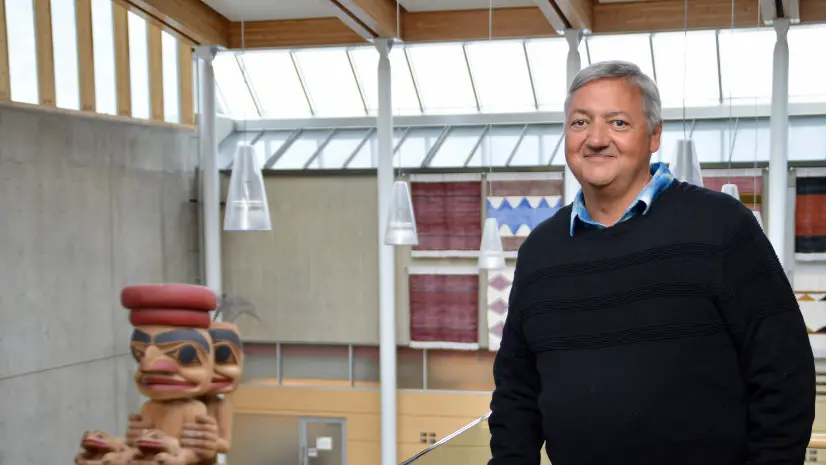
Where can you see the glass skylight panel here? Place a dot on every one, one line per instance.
(301, 150)
(635, 48)
(746, 63)
(236, 95)
(456, 147)
(441, 72)
(404, 99)
(502, 139)
(751, 141)
(64, 40)
(707, 137)
(537, 146)
(22, 51)
(500, 74)
(416, 146)
(269, 143)
(368, 155)
(548, 58)
(807, 138)
(330, 82)
(138, 66)
(103, 46)
(339, 149)
(687, 62)
(806, 65)
(273, 78)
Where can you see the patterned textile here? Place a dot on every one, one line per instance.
(661, 179)
(520, 205)
(499, 288)
(448, 215)
(444, 311)
(810, 219)
(750, 187)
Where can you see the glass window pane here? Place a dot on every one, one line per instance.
(22, 51)
(410, 373)
(367, 156)
(316, 365)
(687, 62)
(64, 41)
(269, 143)
(103, 43)
(537, 146)
(233, 88)
(626, 47)
(301, 150)
(707, 136)
(139, 66)
(442, 74)
(806, 71)
(260, 363)
(171, 87)
(321, 67)
(366, 62)
(750, 140)
(274, 80)
(547, 60)
(416, 146)
(454, 370)
(807, 138)
(500, 74)
(457, 146)
(366, 367)
(339, 149)
(746, 63)
(502, 139)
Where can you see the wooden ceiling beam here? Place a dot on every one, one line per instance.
(578, 13)
(192, 20)
(292, 33)
(369, 18)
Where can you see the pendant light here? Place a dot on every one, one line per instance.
(247, 208)
(732, 190)
(401, 222)
(686, 166)
(491, 255)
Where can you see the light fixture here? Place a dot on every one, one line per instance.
(247, 208)
(401, 222)
(732, 190)
(491, 255)
(686, 166)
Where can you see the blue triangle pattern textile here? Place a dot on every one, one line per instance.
(523, 214)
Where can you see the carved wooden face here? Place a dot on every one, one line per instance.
(229, 357)
(173, 363)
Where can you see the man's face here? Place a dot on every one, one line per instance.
(606, 134)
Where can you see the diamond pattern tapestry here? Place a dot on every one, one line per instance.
(444, 311)
(810, 219)
(499, 288)
(520, 205)
(448, 215)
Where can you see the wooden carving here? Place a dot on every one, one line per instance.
(229, 362)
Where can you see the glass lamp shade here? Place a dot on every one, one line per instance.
(686, 166)
(732, 190)
(491, 255)
(401, 222)
(247, 208)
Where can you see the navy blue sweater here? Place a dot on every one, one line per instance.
(672, 338)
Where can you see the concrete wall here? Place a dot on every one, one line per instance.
(86, 206)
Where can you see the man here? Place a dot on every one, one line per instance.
(650, 322)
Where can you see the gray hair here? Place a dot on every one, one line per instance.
(652, 106)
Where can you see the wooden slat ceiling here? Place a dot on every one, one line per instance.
(344, 22)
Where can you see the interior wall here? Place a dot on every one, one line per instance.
(88, 206)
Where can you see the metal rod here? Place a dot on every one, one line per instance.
(320, 148)
(446, 439)
(478, 144)
(359, 147)
(283, 149)
(436, 146)
(516, 146)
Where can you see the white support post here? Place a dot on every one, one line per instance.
(779, 125)
(574, 37)
(387, 294)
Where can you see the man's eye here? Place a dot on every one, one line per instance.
(578, 122)
(620, 123)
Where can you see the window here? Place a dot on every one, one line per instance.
(139, 66)
(746, 63)
(232, 87)
(64, 40)
(103, 42)
(686, 67)
(318, 69)
(171, 86)
(366, 63)
(276, 85)
(548, 58)
(22, 51)
(444, 81)
(635, 48)
(500, 74)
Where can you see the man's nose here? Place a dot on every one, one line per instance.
(598, 137)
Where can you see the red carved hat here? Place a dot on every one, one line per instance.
(173, 304)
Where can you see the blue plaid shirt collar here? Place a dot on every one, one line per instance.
(661, 178)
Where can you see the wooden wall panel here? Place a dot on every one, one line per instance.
(85, 55)
(124, 86)
(186, 90)
(5, 82)
(45, 52)
(153, 33)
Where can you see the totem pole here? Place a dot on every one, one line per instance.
(229, 362)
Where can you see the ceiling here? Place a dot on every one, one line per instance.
(260, 10)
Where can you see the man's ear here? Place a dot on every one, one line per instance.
(654, 145)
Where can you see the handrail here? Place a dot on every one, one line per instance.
(817, 441)
(446, 439)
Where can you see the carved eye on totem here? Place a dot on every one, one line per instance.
(187, 355)
(223, 354)
(137, 354)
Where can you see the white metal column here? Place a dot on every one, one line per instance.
(209, 176)
(387, 294)
(574, 37)
(778, 159)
